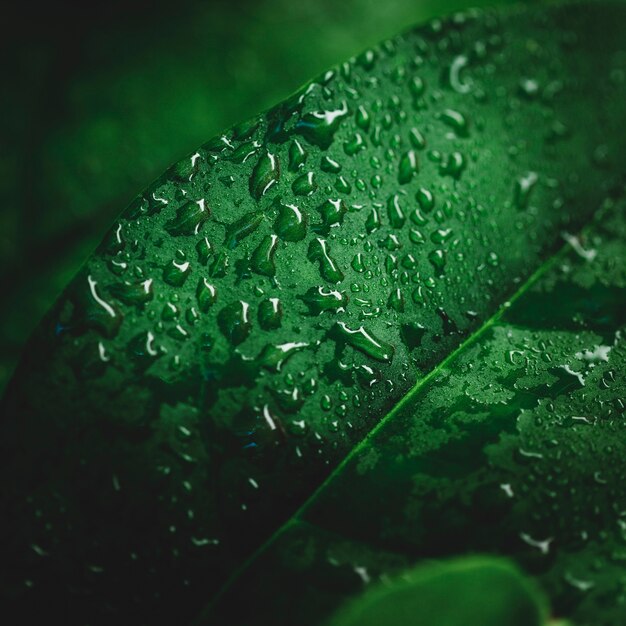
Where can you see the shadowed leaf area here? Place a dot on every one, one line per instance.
(379, 323)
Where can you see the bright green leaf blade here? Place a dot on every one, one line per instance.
(480, 591)
(263, 305)
(512, 447)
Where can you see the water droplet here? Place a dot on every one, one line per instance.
(417, 86)
(297, 155)
(453, 165)
(189, 218)
(396, 300)
(332, 212)
(319, 127)
(304, 185)
(270, 314)
(441, 235)
(412, 335)
(354, 145)
(262, 259)
(91, 310)
(273, 357)
(362, 118)
(205, 295)
(329, 165)
(419, 295)
(219, 265)
(438, 261)
(320, 299)
(417, 218)
(523, 188)
(529, 88)
(390, 242)
(492, 259)
(417, 139)
(265, 174)
(426, 199)
(364, 341)
(290, 223)
(204, 250)
(395, 212)
(245, 151)
(319, 251)
(408, 167)
(133, 294)
(456, 121)
(176, 272)
(367, 59)
(372, 222)
(234, 322)
(342, 185)
(243, 227)
(454, 75)
(358, 263)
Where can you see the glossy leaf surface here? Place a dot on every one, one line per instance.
(512, 446)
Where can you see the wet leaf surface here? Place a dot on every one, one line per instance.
(251, 322)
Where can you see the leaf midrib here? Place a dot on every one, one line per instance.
(547, 265)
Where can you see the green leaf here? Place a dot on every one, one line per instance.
(511, 446)
(481, 591)
(274, 306)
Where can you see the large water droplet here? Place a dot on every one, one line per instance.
(320, 299)
(320, 251)
(270, 314)
(243, 227)
(234, 321)
(262, 259)
(363, 340)
(176, 272)
(319, 127)
(290, 223)
(133, 294)
(189, 218)
(265, 174)
(395, 212)
(205, 295)
(332, 212)
(408, 167)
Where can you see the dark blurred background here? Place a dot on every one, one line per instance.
(97, 101)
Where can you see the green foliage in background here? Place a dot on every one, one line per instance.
(477, 591)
